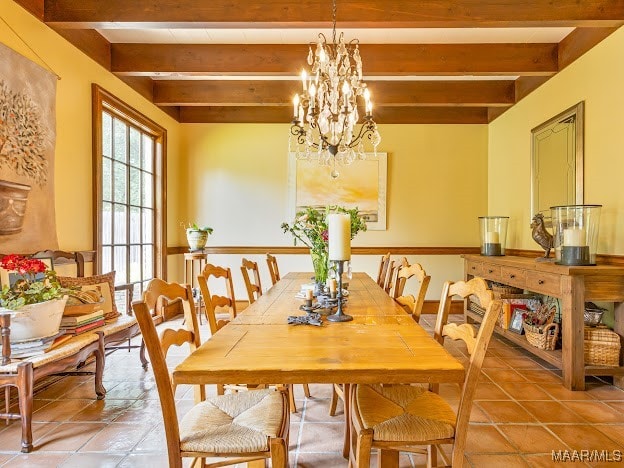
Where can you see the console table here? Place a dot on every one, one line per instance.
(573, 285)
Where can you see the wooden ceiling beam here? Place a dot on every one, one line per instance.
(383, 115)
(317, 13)
(280, 93)
(379, 59)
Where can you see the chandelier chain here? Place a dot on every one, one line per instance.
(334, 11)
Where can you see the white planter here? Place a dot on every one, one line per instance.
(196, 239)
(36, 320)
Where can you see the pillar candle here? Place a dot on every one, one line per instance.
(309, 294)
(339, 232)
(332, 285)
(491, 237)
(574, 237)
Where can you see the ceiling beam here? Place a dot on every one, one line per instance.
(280, 93)
(383, 115)
(317, 13)
(378, 59)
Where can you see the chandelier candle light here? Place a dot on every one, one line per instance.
(325, 115)
(339, 232)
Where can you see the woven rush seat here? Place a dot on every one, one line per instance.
(68, 348)
(404, 412)
(120, 323)
(239, 422)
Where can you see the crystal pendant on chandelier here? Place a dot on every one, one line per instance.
(325, 114)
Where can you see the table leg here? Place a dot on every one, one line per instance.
(346, 391)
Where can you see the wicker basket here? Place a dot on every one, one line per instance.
(499, 289)
(542, 337)
(602, 347)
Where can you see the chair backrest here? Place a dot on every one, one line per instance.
(273, 269)
(254, 288)
(163, 380)
(214, 302)
(412, 303)
(161, 296)
(60, 257)
(477, 346)
(393, 271)
(383, 269)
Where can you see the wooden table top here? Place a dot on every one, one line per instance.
(381, 344)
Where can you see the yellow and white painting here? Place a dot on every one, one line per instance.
(361, 184)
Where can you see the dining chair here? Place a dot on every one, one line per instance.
(242, 426)
(412, 303)
(404, 417)
(393, 271)
(214, 303)
(273, 269)
(254, 288)
(383, 269)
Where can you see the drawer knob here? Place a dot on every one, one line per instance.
(490, 271)
(474, 268)
(512, 276)
(540, 281)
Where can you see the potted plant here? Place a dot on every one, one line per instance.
(197, 236)
(35, 300)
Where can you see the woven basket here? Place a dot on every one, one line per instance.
(542, 337)
(499, 289)
(602, 347)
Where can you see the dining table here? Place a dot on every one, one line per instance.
(382, 344)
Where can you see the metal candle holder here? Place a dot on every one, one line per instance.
(339, 316)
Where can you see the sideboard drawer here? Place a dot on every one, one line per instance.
(491, 272)
(514, 277)
(474, 268)
(545, 283)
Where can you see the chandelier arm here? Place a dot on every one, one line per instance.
(366, 130)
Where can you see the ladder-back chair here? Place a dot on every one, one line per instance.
(273, 269)
(254, 288)
(214, 303)
(412, 303)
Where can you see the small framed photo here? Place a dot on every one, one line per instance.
(517, 319)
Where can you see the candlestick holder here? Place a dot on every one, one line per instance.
(339, 316)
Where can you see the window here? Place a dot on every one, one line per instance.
(129, 162)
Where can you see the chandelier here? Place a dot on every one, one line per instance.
(325, 114)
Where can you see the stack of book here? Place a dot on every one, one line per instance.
(77, 324)
(26, 349)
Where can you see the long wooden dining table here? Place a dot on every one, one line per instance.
(383, 344)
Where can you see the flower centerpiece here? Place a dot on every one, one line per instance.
(35, 299)
(310, 228)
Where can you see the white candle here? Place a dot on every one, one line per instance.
(339, 232)
(574, 237)
(309, 294)
(304, 78)
(296, 106)
(332, 285)
(491, 237)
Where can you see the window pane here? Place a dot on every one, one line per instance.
(148, 226)
(135, 147)
(106, 259)
(148, 153)
(119, 182)
(107, 180)
(148, 261)
(147, 190)
(120, 265)
(137, 293)
(107, 135)
(120, 142)
(135, 225)
(107, 223)
(135, 186)
(135, 263)
(120, 225)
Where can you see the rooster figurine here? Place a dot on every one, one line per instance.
(541, 235)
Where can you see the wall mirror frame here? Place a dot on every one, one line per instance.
(557, 147)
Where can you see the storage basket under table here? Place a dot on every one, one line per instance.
(601, 347)
(543, 336)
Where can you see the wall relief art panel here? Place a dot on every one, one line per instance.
(27, 140)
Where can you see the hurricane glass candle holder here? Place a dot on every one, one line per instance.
(493, 230)
(575, 233)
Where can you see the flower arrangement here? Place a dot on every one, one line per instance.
(29, 289)
(310, 228)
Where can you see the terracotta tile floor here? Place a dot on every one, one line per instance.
(521, 413)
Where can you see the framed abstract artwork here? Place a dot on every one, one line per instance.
(359, 185)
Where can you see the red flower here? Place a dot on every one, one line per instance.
(22, 265)
(325, 235)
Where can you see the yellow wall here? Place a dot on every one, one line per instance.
(437, 181)
(73, 188)
(597, 79)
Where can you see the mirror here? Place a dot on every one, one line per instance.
(557, 161)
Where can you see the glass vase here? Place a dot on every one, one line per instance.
(320, 264)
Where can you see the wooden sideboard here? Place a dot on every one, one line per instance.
(573, 285)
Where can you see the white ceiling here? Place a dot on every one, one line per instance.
(365, 36)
